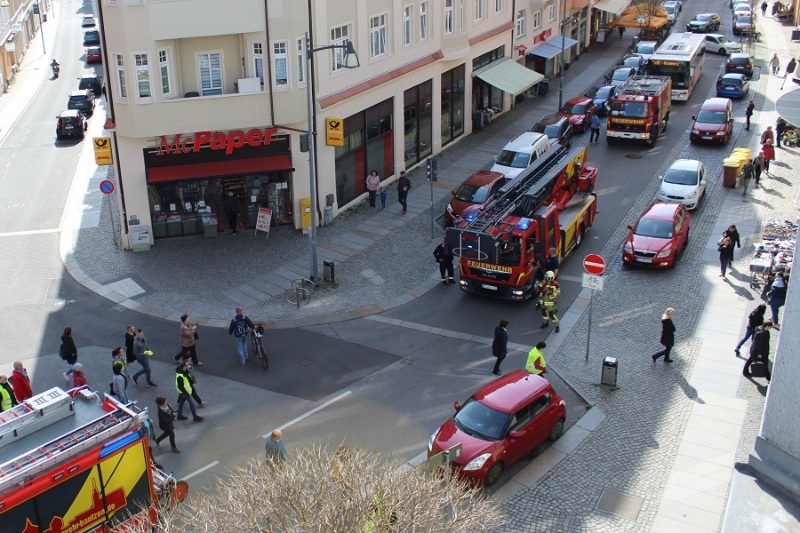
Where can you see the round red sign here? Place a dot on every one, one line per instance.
(594, 264)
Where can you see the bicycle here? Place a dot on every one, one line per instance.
(258, 348)
(301, 291)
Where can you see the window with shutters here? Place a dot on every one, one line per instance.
(210, 66)
(141, 62)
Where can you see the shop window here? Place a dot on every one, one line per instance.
(449, 17)
(210, 65)
(280, 64)
(424, 10)
(122, 87)
(408, 25)
(141, 64)
(377, 35)
(452, 104)
(164, 73)
(418, 122)
(301, 62)
(339, 35)
(258, 62)
(520, 23)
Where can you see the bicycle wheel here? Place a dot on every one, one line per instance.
(262, 354)
(304, 283)
(295, 294)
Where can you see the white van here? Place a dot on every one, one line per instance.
(520, 152)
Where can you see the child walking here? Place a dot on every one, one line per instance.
(383, 195)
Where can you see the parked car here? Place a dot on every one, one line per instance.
(82, 100)
(91, 82)
(743, 24)
(683, 183)
(619, 76)
(646, 49)
(634, 61)
(519, 153)
(659, 236)
(740, 63)
(88, 21)
(601, 96)
(557, 128)
(714, 121)
(733, 86)
(672, 9)
(70, 123)
(721, 45)
(579, 111)
(477, 190)
(499, 424)
(91, 37)
(742, 8)
(93, 55)
(704, 23)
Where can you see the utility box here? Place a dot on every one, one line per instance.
(328, 271)
(140, 239)
(305, 213)
(608, 376)
(327, 216)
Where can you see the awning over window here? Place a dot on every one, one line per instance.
(509, 76)
(215, 169)
(612, 6)
(556, 42)
(546, 51)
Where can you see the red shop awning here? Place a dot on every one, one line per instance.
(214, 169)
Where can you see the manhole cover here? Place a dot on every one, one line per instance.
(620, 504)
(16, 205)
(633, 156)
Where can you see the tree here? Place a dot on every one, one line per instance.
(319, 490)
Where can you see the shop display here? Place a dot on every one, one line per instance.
(774, 253)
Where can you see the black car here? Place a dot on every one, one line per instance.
(70, 123)
(83, 101)
(91, 37)
(556, 127)
(91, 82)
(740, 63)
(704, 23)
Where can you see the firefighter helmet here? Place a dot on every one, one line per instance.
(549, 276)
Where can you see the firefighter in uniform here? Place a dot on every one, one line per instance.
(444, 256)
(548, 294)
(7, 398)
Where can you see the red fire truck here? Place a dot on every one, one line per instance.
(500, 247)
(76, 464)
(640, 110)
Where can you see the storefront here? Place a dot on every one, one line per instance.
(418, 123)
(189, 179)
(452, 104)
(545, 57)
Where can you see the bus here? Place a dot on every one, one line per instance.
(681, 58)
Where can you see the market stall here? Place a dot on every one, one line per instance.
(773, 254)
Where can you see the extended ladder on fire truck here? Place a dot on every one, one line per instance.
(115, 422)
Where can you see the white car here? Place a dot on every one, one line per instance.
(684, 183)
(742, 9)
(672, 10)
(721, 45)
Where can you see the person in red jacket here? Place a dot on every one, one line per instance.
(769, 155)
(20, 382)
(78, 379)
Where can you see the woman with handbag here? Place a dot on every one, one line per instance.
(188, 339)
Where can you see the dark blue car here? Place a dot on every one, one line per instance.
(602, 95)
(732, 86)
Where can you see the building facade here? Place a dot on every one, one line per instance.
(20, 20)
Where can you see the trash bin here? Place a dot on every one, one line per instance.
(730, 171)
(328, 271)
(327, 215)
(609, 374)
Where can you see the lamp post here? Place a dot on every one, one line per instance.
(564, 22)
(350, 60)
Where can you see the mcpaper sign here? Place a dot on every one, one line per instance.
(216, 141)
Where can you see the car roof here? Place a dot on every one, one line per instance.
(736, 75)
(580, 100)
(511, 391)
(715, 35)
(716, 104)
(70, 113)
(739, 55)
(550, 119)
(90, 76)
(484, 177)
(661, 211)
(685, 164)
(524, 141)
(80, 92)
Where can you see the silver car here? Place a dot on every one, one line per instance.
(721, 45)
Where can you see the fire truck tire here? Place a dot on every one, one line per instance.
(581, 233)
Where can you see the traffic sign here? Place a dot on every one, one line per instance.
(593, 282)
(102, 151)
(106, 187)
(594, 264)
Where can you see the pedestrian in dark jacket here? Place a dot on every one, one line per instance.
(68, 351)
(403, 186)
(444, 256)
(166, 422)
(748, 114)
(777, 296)
(142, 353)
(130, 334)
(725, 249)
(755, 320)
(759, 163)
(733, 234)
(667, 335)
(780, 127)
(500, 345)
(747, 175)
(231, 206)
(759, 350)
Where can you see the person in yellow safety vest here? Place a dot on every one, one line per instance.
(377, 515)
(183, 384)
(549, 292)
(7, 398)
(536, 363)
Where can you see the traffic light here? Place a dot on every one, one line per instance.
(430, 167)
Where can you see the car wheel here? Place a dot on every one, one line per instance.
(493, 475)
(556, 431)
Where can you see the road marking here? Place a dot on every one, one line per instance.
(200, 471)
(30, 232)
(311, 412)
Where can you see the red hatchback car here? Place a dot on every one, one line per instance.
(476, 190)
(93, 55)
(659, 237)
(579, 111)
(499, 424)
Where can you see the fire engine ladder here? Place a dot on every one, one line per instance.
(18, 470)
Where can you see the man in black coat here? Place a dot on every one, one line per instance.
(759, 350)
(403, 186)
(444, 256)
(500, 345)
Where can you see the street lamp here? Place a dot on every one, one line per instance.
(350, 60)
(564, 22)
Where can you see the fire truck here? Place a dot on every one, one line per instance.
(74, 462)
(501, 246)
(640, 110)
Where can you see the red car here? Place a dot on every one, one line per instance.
(93, 55)
(579, 111)
(477, 190)
(499, 424)
(659, 237)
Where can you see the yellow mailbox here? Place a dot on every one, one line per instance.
(305, 213)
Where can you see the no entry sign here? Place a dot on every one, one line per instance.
(594, 264)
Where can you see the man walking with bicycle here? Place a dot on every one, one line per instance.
(239, 327)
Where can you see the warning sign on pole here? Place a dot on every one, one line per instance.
(263, 221)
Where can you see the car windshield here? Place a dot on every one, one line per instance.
(472, 193)
(646, 49)
(621, 75)
(660, 229)
(573, 109)
(478, 420)
(681, 177)
(744, 19)
(739, 61)
(552, 131)
(712, 117)
(510, 158)
(720, 39)
(632, 62)
(731, 82)
(702, 18)
(603, 93)
(629, 109)
(670, 9)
